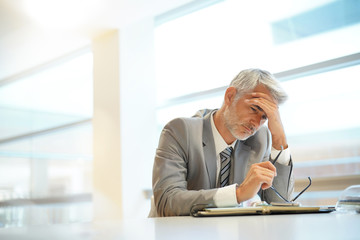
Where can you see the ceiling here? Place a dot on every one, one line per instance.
(79, 15)
(38, 30)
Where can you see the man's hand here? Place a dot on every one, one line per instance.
(270, 107)
(260, 175)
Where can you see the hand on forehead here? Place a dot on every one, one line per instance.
(261, 92)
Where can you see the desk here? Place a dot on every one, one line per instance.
(302, 226)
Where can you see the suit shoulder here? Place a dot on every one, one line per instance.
(184, 123)
(181, 132)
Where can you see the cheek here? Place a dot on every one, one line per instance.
(239, 114)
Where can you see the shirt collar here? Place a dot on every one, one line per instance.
(220, 143)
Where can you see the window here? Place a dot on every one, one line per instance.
(311, 46)
(46, 141)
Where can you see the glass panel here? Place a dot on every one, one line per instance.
(69, 177)
(46, 136)
(322, 124)
(36, 215)
(322, 102)
(54, 164)
(207, 48)
(55, 96)
(14, 186)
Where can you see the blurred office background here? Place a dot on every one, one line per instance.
(86, 87)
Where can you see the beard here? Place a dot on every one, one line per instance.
(239, 130)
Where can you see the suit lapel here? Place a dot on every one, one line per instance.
(209, 150)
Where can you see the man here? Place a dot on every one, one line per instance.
(221, 157)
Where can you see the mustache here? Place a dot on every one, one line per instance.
(250, 127)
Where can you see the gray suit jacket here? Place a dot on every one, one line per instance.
(184, 171)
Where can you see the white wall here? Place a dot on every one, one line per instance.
(138, 119)
(124, 121)
(107, 185)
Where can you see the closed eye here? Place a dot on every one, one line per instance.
(257, 109)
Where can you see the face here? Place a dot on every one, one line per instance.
(243, 119)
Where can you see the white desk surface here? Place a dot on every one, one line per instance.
(301, 226)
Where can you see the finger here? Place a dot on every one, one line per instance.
(262, 103)
(261, 171)
(261, 175)
(269, 108)
(265, 186)
(255, 95)
(268, 165)
(266, 168)
(267, 182)
(263, 95)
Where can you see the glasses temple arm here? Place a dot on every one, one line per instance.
(303, 190)
(279, 195)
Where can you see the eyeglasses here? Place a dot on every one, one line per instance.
(279, 195)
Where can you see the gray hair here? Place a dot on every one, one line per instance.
(248, 79)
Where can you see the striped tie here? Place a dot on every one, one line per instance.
(225, 166)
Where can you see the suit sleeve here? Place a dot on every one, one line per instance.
(171, 196)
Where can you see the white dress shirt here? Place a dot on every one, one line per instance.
(226, 196)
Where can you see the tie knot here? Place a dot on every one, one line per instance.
(227, 151)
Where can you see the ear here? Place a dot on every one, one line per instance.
(230, 95)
